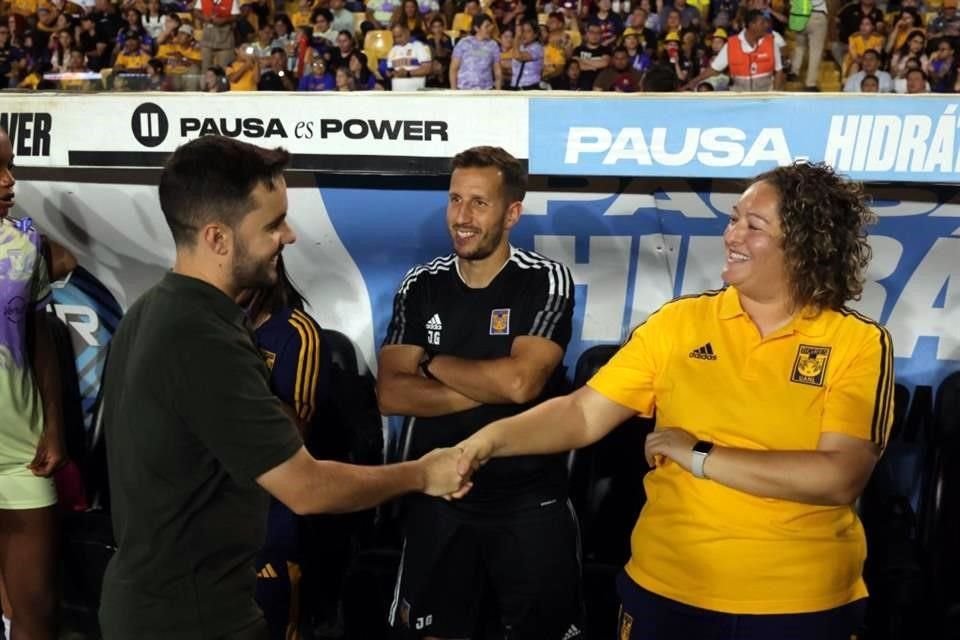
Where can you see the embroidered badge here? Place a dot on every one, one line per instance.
(500, 322)
(810, 366)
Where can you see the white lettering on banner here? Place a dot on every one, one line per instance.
(715, 147)
(605, 275)
(886, 143)
(914, 315)
(657, 257)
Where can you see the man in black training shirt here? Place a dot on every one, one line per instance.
(192, 427)
(476, 336)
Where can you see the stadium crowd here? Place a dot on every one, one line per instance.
(905, 46)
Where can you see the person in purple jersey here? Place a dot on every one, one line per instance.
(31, 433)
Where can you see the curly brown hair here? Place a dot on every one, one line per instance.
(824, 219)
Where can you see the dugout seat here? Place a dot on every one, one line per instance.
(606, 488)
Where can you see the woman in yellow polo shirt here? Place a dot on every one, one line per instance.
(772, 401)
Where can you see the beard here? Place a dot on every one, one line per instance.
(487, 243)
(250, 273)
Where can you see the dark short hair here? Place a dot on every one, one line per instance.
(211, 179)
(872, 52)
(511, 170)
(321, 11)
(752, 15)
(279, 50)
(917, 70)
(824, 220)
(478, 21)
(869, 76)
(660, 78)
(620, 49)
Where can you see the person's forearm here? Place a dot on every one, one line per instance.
(497, 77)
(496, 381)
(421, 71)
(407, 394)
(810, 477)
(47, 374)
(778, 80)
(553, 426)
(335, 487)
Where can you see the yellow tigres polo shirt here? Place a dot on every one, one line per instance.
(700, 363)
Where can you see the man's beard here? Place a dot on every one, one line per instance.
(249, 273)
(488, 244)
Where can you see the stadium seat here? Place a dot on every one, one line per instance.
(606, 488)
(358, 18)
(462, 23)
(378, 43)
(942, 527)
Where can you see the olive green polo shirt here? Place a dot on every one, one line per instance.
(190, 423)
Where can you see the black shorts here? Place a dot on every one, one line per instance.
(530, 559)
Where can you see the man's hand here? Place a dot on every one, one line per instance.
(51, 455)
(441, 474)
(475, 451)
(672, 444)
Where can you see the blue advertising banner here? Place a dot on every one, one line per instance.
(634, 244)
(888, 138)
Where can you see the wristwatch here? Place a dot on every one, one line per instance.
(700, 452)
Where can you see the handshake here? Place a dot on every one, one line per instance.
(447, 472)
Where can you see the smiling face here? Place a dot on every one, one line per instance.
(260, 237)
(753, 241)
(478, 215)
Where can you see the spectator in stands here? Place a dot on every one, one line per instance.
(157, 79)
(171, 23)
(31, 423)
(506, 41)
(691, 56)
(441, 51)
(812, 39)
(152, 19)
(108, 20)
(869, 84)
(344, 80)
(569, 80)
(215, 80)
(217, 43)
(380, 12)
(60, 46)
(7, 51)
(318, 79)
(900, 85)
(688, 17)
(751, 56)
(942, 70)
(344, 49)
(244, 72)
(263, 46)
(451, 362)
(408, 13)
(793, 441)
(640, 56)
(653, 15)
(527, 58)
(322, 27)
(670, 22)
(906, 22)
(342, 18)
(408, 61)
(558, 50)
(660, 78)
(284, 34)
(181, 58)
(870, 66)
(723, 12)
(611, 24)
(134, 27)
(864, 39)
(475, 63)
(303, 16)
(619, 76)
(913, 49)
(848, 23)
(131, 59)
(917, 81)
(201, 522)
(946, 22)
(363, 78)
(593, 56)
(277, 77)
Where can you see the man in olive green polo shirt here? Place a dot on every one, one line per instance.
(192, 427)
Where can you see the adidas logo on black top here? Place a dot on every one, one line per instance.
(704, 353)
(434, 323)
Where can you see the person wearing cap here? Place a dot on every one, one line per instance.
(751, 57)
(638, 52)
(182, 58)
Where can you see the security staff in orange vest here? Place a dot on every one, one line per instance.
(751, 57)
